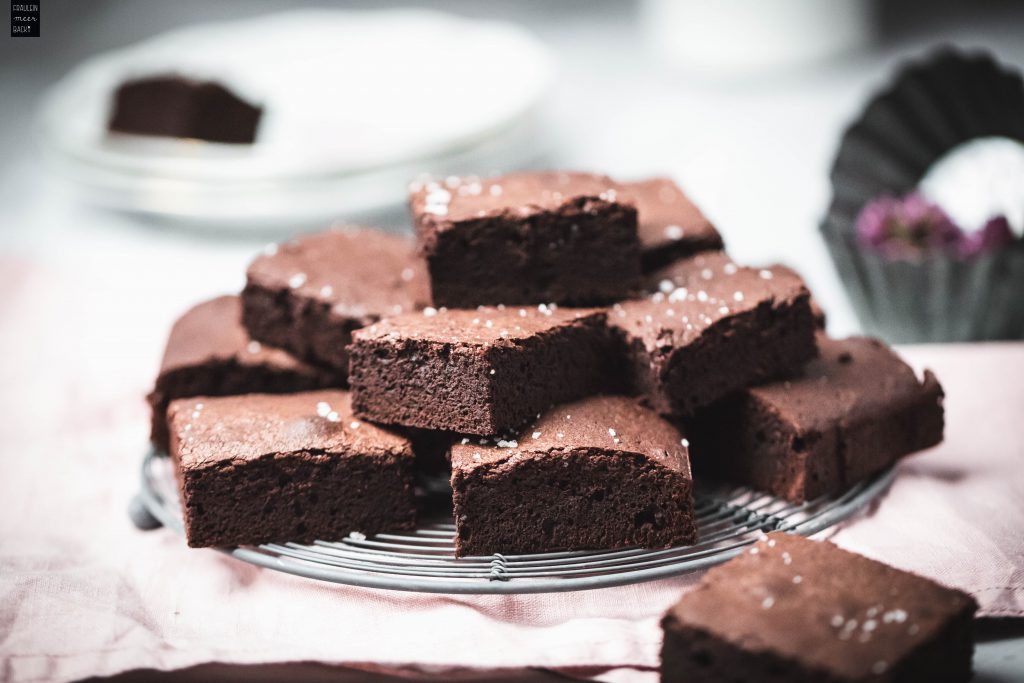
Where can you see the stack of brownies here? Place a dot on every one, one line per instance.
(564, 342)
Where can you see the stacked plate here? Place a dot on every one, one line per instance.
(355, 104)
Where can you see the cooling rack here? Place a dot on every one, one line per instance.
(729, 518)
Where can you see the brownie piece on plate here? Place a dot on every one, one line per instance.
(177, 107)
(848, 414)
(670, 226)
(209, 353)
(526, 238)
(712, 328)
(603, 472)
(265, 468)
(792, 609)
(308, 294)
(481, 371)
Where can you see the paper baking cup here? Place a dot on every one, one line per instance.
(932, 106)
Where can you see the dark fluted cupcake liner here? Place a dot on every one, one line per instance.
(932, 106)
(935, 299)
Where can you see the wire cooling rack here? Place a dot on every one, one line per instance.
(729, 518)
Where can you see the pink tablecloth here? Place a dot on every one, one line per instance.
(83, 593)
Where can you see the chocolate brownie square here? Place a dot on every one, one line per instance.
(308, 294)
(263, 468)
(172, 106)
(602, 472)
(526, 238)
(848, 414)
(670, 226)
(802, 611)
(480, 371)
(712, 328)
(209, 353)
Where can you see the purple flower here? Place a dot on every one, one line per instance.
(907, 228)
(995, 234)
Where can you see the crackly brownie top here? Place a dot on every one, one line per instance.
(599, 424)
(695, 293)
(851, 379)
(206, 431)
(212, 332)
(358, 271)
(812, 602)
(516, 195)
(666, 215)
(482, 326)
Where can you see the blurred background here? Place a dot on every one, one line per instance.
(742, 102)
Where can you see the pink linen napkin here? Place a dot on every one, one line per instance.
(83, 593)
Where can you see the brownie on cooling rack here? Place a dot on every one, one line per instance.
(478, 371)
(793, 609)
(603, 472)
(306, 295)
(669, 224)
(713, 327)
(850, 413)
(264, 468)
(209, 353)
(526, 238)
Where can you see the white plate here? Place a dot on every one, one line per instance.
(355, 105)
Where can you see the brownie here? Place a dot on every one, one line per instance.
(526, 238)
(820, 318)
(308, 294)
(670, 226)
(177, 107)
(480, 371)
(848, 414)
(663, 279)
(209, 353)
(602, 472)
(712, 328)
(265, 468)
(802, 611)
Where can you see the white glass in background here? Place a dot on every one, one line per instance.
(979, 180)
(737, 37)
